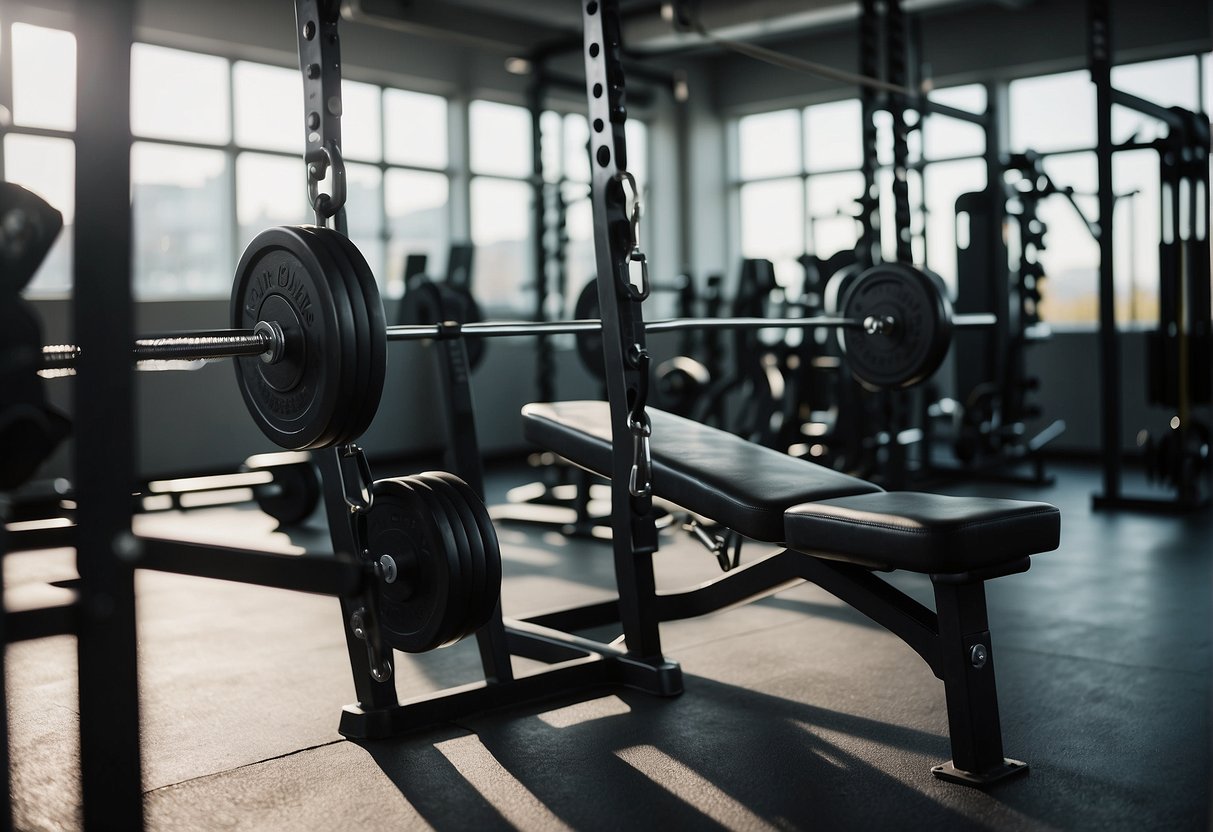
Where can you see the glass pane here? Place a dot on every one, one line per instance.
(360, 129)
(364, 213)
(270, 190)
(179, 95)
(551, 142)
(576, 148)
(501, 226)
(768, 144)
(44, 77)
(772, 225)
(1071, 258)
(1169, 83)
(269, 107)
(580, 266)
(417, 220)
(48, 168)
(1135, 235)
(833, 137)
(182, 221)
(1053, 112)
(946, 136)
(416, 128)
(944, 182)
(833, 209)
(500, 138)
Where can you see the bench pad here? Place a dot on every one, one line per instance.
(744, 486)
(929, 533)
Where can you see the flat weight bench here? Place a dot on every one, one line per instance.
(838, 530)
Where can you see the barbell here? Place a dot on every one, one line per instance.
(309, 335)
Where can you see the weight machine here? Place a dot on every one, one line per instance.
(1180, 350)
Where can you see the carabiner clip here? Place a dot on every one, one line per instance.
(640, 480)
(355, 472)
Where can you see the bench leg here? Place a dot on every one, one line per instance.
(967, 669)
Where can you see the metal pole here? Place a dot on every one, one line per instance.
(1100, 58)
(110, 780)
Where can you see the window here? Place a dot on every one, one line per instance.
(47, 166)
(179, 95)
(269, 107)
(1053, 112)
(416, 129)
(945, 137)
(416, 204)
(182, 242)
(44, 77)
(361, 130)
(1071, 258)
(270, 190)
(499, 137)
(943, 183)
(833, 137)
(1170, 83)
(769, 144)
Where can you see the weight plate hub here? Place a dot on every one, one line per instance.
(917, 302)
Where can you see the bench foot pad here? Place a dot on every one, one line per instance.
(1009, 768)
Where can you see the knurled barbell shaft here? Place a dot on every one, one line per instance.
(207, 345)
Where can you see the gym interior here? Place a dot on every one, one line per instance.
(606, 414)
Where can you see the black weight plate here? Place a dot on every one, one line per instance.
(837, 286)
(426, 302)
(421, 304)
(589, 344)
(488, 536)
(359, 347)
(296, 402)
(377, 320)
(293, 494)
(471, 554)
(477, 615)
(415, 611)
(920, 337)
(454, 538)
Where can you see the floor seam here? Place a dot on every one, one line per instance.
(150, 792)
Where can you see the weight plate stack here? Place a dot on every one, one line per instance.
(918, 304)
(426, 605)
(300, 401)
(482, 537)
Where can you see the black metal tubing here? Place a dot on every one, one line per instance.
(634, 536)
(111, 781)
(1100, 59)
(582, 667)
(585, 617)
(42, 622)
(319, 574)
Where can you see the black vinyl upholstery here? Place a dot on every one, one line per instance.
(744, 486)
(919, 532)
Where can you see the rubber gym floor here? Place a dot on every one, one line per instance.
(798, 712)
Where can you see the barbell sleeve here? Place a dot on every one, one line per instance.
(202, 345)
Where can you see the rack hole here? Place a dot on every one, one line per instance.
(309, 30)
(598, 90)
(593, 50)
(604, 155)
(597, 125)
(592, 8)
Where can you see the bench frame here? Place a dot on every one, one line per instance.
(954, 639)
